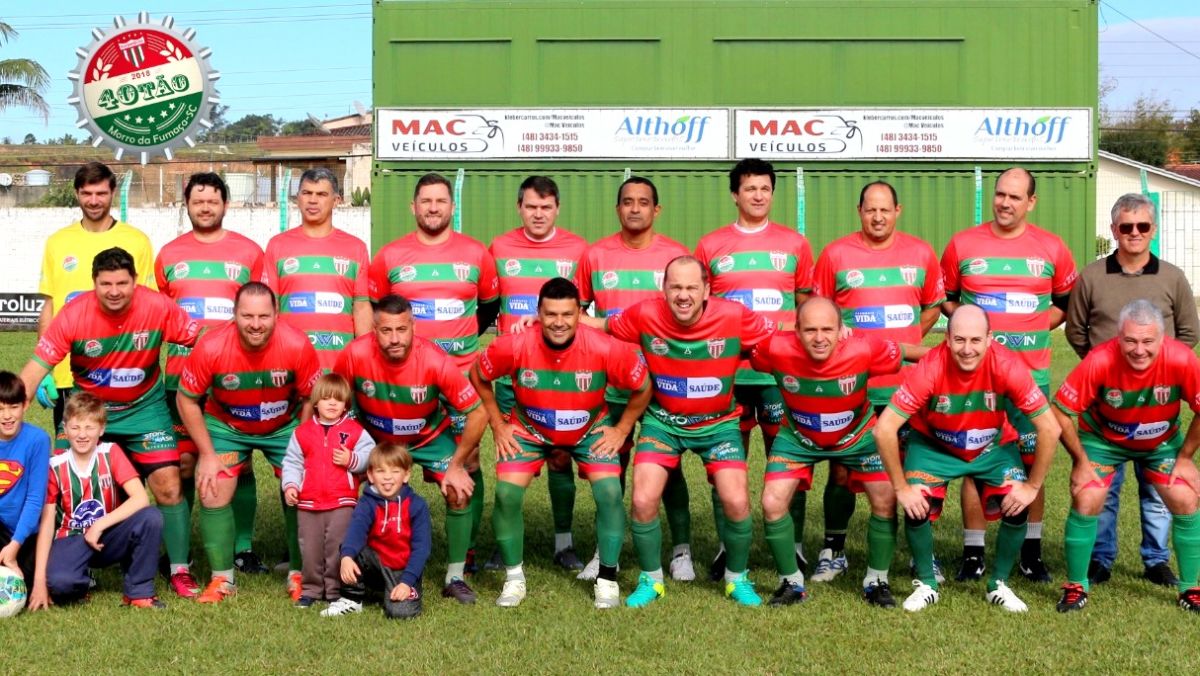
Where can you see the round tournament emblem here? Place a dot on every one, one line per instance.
(791, 384)
(368, 388)
(943, 404)
(290, 266)
(144, 88)
(181, 270)
(230, 382)
(512, 267)
(609, 280)
(529, 378)
(725, 263)
(1114, 398)
(977, 266)
(70, 263)
(659, 346)
(855, 278)
(408, 273)
(93, 348)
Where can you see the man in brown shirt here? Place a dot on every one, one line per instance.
(1103, 288)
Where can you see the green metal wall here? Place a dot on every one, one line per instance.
(726, 53)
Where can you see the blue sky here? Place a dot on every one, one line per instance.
(314, 56)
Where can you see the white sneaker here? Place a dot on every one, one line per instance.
(591, 571)
(342, 606)
(1006, 599)
(608, 594)
(923, 595)
(512, 594)
(829, 566)
(681, 567)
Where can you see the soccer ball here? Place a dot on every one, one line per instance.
(12, 592)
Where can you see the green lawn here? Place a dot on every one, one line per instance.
(1129, 626)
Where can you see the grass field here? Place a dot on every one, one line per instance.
(1130, 625)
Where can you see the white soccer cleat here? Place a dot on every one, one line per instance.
(923, 596)
(608, 594)
(511, 594)
(342, 606)
(829, 566)
(681, 567)
(1006, 599)
(591, 571)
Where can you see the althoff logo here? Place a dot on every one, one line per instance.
(1046, 129)
(686, 129)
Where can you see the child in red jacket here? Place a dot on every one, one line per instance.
(325, 454)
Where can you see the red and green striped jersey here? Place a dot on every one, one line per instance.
(445, 284)
(318, 280)
(81, 496)
(405, 402)
(881, 292)
(692, 367)
(115, 357)
(1013, 280)
(963, 411)
(251, 392)
(560, 393)
(203, 278)
(523, 266)
(762, 270)
(614, 276)
(826, 404)
(1127, 409)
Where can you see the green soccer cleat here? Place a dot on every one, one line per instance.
(648, 591)
(742, 591)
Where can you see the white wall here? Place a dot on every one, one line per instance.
(25, 231)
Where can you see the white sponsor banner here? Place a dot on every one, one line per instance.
(552, 133)
(1058, 134)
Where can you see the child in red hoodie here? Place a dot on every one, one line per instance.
(323, 457)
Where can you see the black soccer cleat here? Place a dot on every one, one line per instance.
(789, 593)
(1190, 600)
(1073, 598)
(716, 569)
(879, 594)
(972, 569)
(248, 562)
(1098, 573)
(1034, 570)
(1161, 574)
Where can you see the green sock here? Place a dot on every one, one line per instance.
(216, 529)
(245, 504)
(718, 516)
(1185, 533)
(920, 543)
(476, 506)
(176, 532)
(677, 503)
(458, 534)
(508, 522)
(1008, 550)
(796, 509)
(839, 504)
(610, 519)
(562, 498)
(779, 537)
(187, 487)
(647, 543)
(738, 535)
(291, 532)
(881, 542)
(1079, 540)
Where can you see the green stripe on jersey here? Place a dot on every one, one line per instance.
(1138, 398)
(957, 404)
(624, 280)
(317, 265)
(434, 272)
(873, 278)
(1007, 267)
(250, 380)
(535, 268)
(208, 271)
(400, 394)
(752, 261)
(562, 381)
(831, 387)
(122, 342)
(699, 350)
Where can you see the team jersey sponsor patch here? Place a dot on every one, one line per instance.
(759, 300)
(219, 309)
(1008, 302)
(884, 317)
(117, 377)
(968, 440)
(520, 305)
(558, 420)
(1140, 431)
(823, 422)
(319, 302)
(399, 427)
(267, 410)
(86, 513)
(438, 309)
(688, 388)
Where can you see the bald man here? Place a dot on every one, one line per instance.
(955, 401)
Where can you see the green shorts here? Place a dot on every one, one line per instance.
(930, 468)
(790, 459)
(144, 432)
(761, 405)
(434, 457)
(234, 448)
(534, 455)
(1105, 457)
(719, 449)
(1027, 439)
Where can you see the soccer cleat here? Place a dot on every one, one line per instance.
(607, 594)
(1161, 574)
(648, 591)
(972, 569)
(716, 569)
(1034, 570)
(922, 597)
(1098, 573)
(567, 559)
(1190, 600)
(511, 594)
(591, 571)
(1073, 598)
(494, 563)
(184, 585)
(342, 606)
(459, 591)
(249, 562)
(879, 594)
(681, 567)
(1005, 598)
(789, 593)
(741, 589)
(830, 564)
(218, 589)
(152, 603)
(295, 587)
(470, 567)
(304, 602)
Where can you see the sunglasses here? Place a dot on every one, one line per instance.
(1127, 228)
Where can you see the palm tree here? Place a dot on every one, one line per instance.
(22, 81)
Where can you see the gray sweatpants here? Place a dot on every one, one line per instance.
(321, 535)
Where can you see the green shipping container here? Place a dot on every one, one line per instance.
(725, 54)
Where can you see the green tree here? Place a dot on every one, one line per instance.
(1142, 134)
(249, 127)
(219, 123)
(298, 128)
(1190, 138)
(30, 139)
(22, 81)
